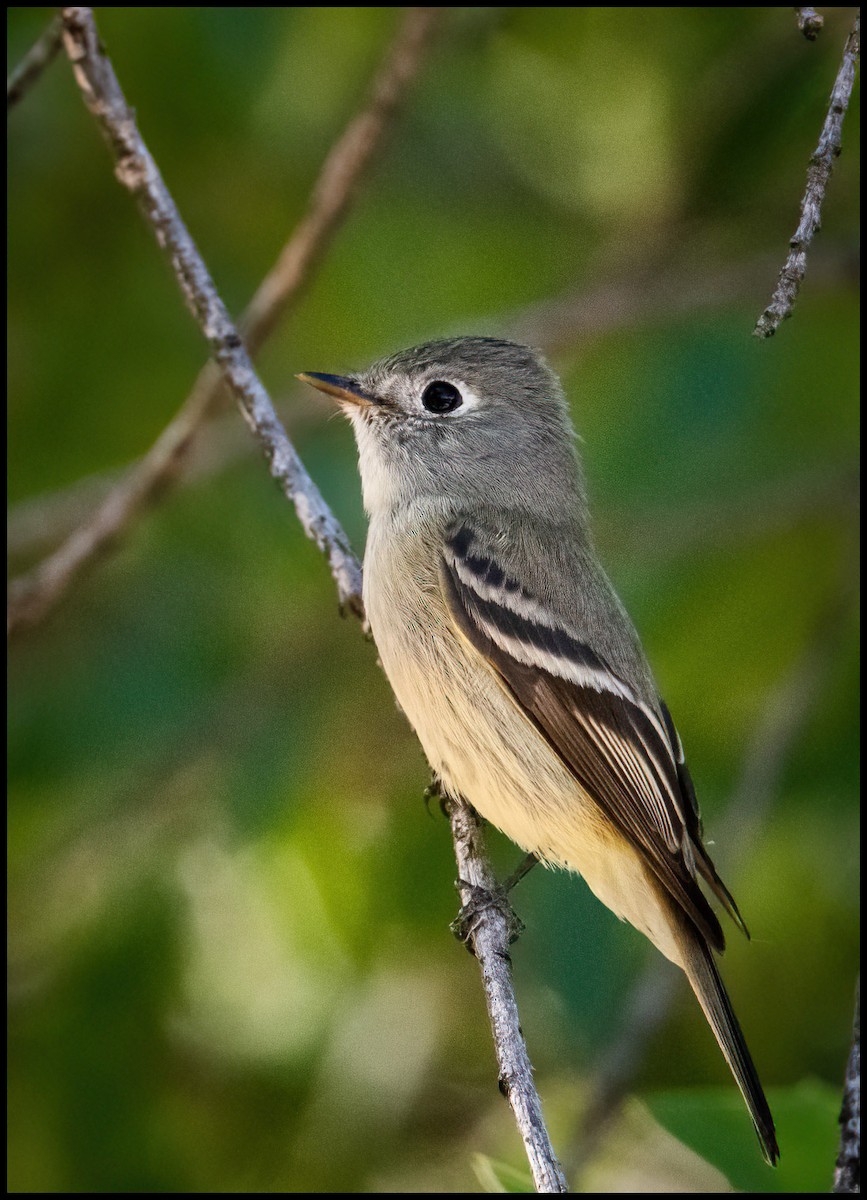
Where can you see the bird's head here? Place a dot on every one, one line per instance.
(470, 418)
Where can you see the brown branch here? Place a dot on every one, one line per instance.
(33, 596)
(137, 171)
(40, 55)
(488, 926)
(818, 174)
(787, 709)
(37, 523)
(847, 1174)
(810, 23)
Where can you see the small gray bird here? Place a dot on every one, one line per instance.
(512, 656)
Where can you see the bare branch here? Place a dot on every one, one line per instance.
(809, 23)
(786, 711)
(32, 597)
(137, 171)
(818, 174)
(847, 1175)
(491, 930)
(38, 522)
(139, 174)
(40, 55)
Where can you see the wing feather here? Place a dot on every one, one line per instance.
(625, 754)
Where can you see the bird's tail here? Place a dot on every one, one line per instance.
(702, 973)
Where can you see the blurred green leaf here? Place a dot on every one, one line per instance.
(714, 1123)
(500, 1177)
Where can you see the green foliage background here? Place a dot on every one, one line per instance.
(230, 961)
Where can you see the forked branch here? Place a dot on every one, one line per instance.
(33, 596)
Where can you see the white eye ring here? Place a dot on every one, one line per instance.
(441, 397)
(450, 389)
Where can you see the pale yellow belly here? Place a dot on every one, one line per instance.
(482, 747)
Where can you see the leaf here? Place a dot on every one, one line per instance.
(497, 1176)
(713, 1122)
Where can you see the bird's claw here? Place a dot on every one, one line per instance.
(482, 901)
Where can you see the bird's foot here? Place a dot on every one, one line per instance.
(484, 901)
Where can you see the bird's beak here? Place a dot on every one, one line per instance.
(340, 386)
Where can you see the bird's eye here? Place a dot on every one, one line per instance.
(441, 397)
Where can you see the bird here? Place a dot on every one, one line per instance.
(512, 656)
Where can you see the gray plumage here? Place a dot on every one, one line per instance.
(511, 654)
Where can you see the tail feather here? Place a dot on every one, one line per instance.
(702, 973)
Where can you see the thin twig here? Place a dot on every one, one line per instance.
(138, 172)
(490, 932)
(33, 596)
(818, 174)
(847, 1174)
(37, 523)
(786, 711)
(38, 57)
(810, 23)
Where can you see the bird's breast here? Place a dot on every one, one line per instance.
(475, 736)
(479, 742)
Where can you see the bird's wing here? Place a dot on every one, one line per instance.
(625, 754)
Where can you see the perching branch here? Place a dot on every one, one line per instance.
(487, 925)
(818, 174)
(40, 55)
(32, 597)
(36, 524)
(809, 22)
(847, 1176)
(137, 171)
